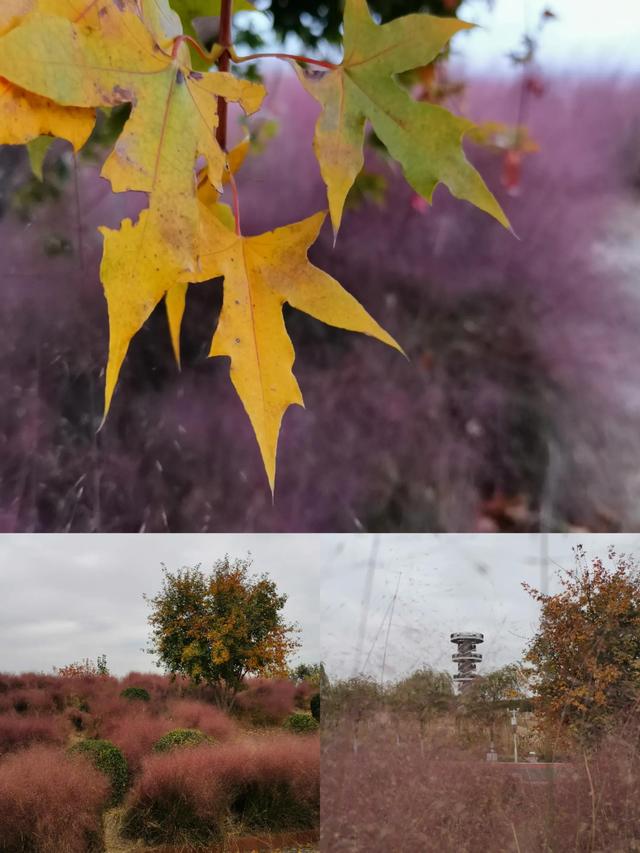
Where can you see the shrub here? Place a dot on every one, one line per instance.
(157, 686)
(277, 784)
(136, 694)
(178, 797)
(190, 714)
(50, 802)
(17, 731)
(136, 735)
(108, 759)
(189, 795)
(32, 699)
(178, 738)
(267, 700)
(301, 723)
(314, 705)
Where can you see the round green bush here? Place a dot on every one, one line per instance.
(301, 723)
(180, 738)
(106, 757)
(136, 693)
(314, 705)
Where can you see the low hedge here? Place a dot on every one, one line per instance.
(301, 723)
(136, 694)
(179, 738)
(108, 759)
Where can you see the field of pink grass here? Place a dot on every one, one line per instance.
(405, 794)
(519, 405)
(251, 776)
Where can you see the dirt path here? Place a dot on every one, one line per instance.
(114, 843)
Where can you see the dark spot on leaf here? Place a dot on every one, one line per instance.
(121, 94)
(179, 77)
(119, 4)
(237, 340)
(196, 75)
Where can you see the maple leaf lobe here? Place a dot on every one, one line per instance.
(424, 138)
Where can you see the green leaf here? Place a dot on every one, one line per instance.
(424, 138)
(190, 9)
(37, 150)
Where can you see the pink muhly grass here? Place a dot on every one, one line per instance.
(189, 794)
(17, 731)
(191, 714)
(522, 377)
(33, 699)
(303, 693)
(50, 802)
(177, 797)
(136, 734)
(159, 687)
(278, 784)
(267, 700)
(401, 796)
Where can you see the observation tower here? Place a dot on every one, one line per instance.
(466, 657)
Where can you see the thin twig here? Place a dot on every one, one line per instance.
(515, 837)
(307, 60)
(181, 39)
(236, 202)
(225, 41)
(593, 804)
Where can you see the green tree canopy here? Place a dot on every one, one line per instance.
(219, 627)
(488, 697)
(425, 693)
(312, 672)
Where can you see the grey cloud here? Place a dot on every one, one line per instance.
(67, 597)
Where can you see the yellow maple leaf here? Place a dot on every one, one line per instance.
(424, 138)
(209, 196)
(124, 57)
(260, 274)
(25, 116)
(120, 60)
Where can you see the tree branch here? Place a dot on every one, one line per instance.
(225, 41)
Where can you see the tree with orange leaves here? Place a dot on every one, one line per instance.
(219, 627)
(586, 653)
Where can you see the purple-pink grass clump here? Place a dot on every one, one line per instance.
(136, 734)
(267, 700)
(191, 714)
(50, 802)
(381, 792)
(188, 795)
(18, 731)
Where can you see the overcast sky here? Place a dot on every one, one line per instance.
(67, 597)
(445, 583)
(586, 34)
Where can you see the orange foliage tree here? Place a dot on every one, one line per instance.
(218, 628)
(83, 668)
(586, 653)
